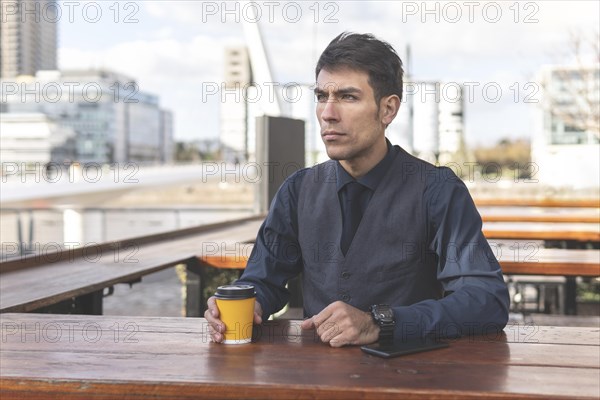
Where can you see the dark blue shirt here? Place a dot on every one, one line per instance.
(370, 180)
(475, 279)
(368, 183)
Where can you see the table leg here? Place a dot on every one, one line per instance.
(195, 304)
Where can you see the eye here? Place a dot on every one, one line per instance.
(321, 98)
(349, 97)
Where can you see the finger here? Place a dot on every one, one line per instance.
(307, 324)
(212, 316)
(257, 308)
(323, 316)
(257, 318)
(213, 330)
(212, 306)
(257, 313)
(216, 337)
(214, 323)
(338, 341)
(328, 330)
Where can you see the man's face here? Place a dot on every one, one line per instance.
(351, 124)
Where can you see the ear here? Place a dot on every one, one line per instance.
(388, 108)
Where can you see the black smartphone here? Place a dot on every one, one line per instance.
(400, 348)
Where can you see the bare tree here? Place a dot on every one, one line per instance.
(573, 87)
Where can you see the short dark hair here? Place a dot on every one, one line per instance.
(364, 52)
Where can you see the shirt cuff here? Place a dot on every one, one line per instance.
(408, 324)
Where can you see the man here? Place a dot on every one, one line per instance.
(387, 244)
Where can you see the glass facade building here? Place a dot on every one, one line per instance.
(112, 119)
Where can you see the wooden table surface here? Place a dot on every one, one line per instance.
(537, 202)
(584, 232)
(539, 214)
(533, 260)
(42, 280)
(530, 259)
(100, 357)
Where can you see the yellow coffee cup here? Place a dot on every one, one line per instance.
(236, 310)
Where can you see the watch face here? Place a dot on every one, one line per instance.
(384, 313)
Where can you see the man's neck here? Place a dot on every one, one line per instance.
(360, 166)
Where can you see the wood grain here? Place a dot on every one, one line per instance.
(47, 279)
(542, 231)
(539, 214)
(172, 358)
(527, 260)
(537, 202)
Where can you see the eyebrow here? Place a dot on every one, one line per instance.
(340, 92)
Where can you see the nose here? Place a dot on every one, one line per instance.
(329, 111)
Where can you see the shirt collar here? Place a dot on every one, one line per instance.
(372, 178)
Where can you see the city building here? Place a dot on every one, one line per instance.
(566, 140)
(35, 139)
(300, 102)
(430, 123)
(234, 118)
(28, 40)
(112, 119)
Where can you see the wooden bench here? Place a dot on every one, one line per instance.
(74, 280)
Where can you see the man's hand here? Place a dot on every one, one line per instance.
(216, 326)
(340, 324)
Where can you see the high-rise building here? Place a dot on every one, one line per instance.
(28, 37)
(432, 122)
(233, 105)
(566, 141)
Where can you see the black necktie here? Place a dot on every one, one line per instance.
(351, 213)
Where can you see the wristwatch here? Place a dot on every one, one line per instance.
(383, 315)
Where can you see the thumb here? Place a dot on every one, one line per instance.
(257, 313)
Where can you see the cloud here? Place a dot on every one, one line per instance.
(177, 46)
(174, 70)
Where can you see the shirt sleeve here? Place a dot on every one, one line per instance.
(476, 299)
(276, 255)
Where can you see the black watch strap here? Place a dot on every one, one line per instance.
(383, 315)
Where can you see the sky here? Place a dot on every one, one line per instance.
(175, 48)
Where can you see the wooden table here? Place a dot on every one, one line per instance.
(101, 357)
(528, 259)
(45, 280)
(582, 232)
(537, 202)
(539, 214)
(524, 260)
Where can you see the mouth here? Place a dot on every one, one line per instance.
(331, 135)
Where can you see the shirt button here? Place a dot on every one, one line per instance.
(345, 297)
(345, 274)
